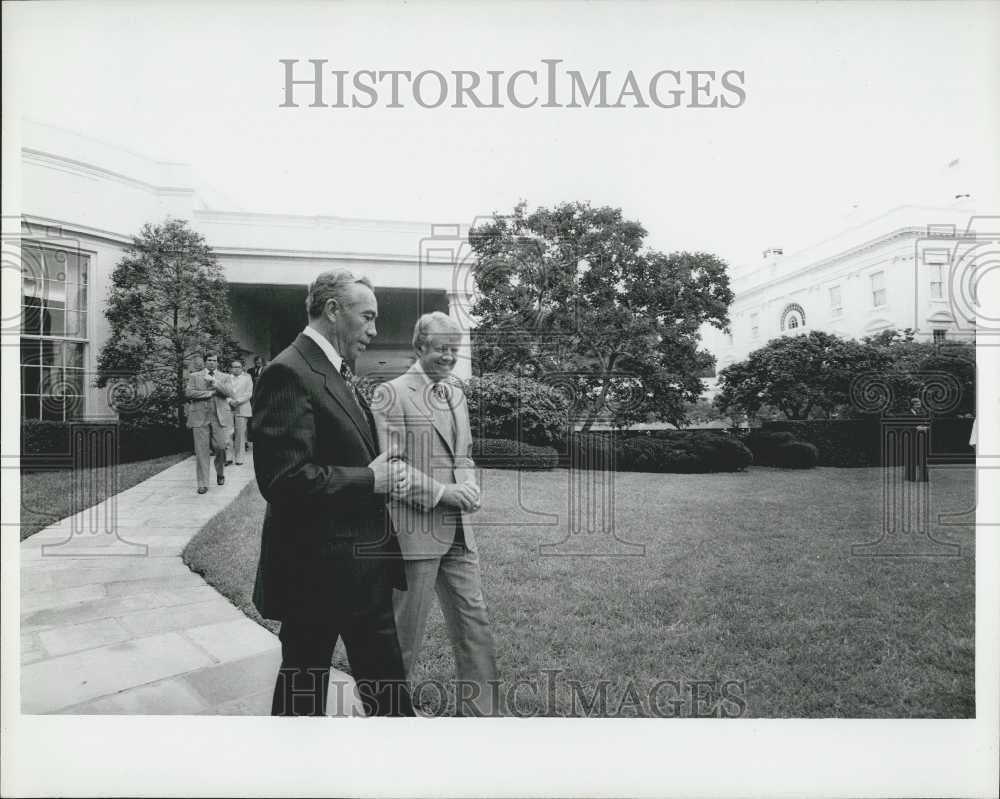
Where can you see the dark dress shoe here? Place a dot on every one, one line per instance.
(203, 490)
(220, 480)
(229, 463)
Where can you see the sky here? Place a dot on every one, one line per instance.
(850, 109)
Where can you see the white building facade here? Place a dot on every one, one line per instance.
(913, 267)
(82, 201)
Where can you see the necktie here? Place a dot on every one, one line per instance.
(348, 375)
(444, 412)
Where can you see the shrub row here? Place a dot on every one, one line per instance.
(678, 451)
(502, 453)
(858, 442)
(47, 443)
(776, 448)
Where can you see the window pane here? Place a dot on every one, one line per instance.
(55, 293)
(52, 353)
(32, 272)
(72, 268)
(73, 392)
(31, 379)
(73, 354)
(30, 407)
(76, 297)
(55, 265)
(73, 381)
(51, 380)
(54, 319)
(31, 350)
(76, 324)
(31, 316)
(53, 408)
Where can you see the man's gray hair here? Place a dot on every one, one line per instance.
(435, 322)
(331, 285)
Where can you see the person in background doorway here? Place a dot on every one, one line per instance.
(242, 388)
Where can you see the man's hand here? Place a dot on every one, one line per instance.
(392, 475)
(463, 496)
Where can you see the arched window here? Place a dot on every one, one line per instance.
(793, 317)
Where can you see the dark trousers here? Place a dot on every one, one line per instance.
(916, 447)
(372, 649)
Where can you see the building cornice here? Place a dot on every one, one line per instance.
(262, 252)
(71, 165)
(823, 263)
(65, 228)
(214, 216)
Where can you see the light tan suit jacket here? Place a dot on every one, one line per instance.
(208, 403)
(408, 415)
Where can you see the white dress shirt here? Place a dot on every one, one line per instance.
(324, 344)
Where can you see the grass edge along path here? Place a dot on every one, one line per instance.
(46, 498)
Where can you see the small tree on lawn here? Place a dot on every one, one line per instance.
(803, 376)
(168, 301)
(570, 296)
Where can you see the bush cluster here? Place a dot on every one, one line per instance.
(782, 449)
(47, 443)
(502, 453)
(504, 406)
(677, 451)
(858, 442)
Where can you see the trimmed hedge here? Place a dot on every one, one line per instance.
(676, 451)
(782, 449)
(502, 453)
(47, 444)
(858, 442)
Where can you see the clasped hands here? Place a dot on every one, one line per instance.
(392, 474)
(464, 496)
(392, 477)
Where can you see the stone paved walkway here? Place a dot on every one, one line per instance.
(114, 622)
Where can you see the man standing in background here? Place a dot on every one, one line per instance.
(209, 417)
(242, 388)
(256, 369)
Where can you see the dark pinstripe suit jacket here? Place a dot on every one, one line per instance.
(327, 541)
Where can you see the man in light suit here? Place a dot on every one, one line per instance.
(209, 417)
(424, 414)
(328, 561)
(242, 386)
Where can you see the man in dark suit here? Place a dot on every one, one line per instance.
(917, 443)
(328, 561)
(256, 369)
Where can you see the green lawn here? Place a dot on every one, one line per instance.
(46, 498)
(747, 589)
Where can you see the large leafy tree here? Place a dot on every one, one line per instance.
(942, 374)
(570, 296)
(167, 301)
(803, 376)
